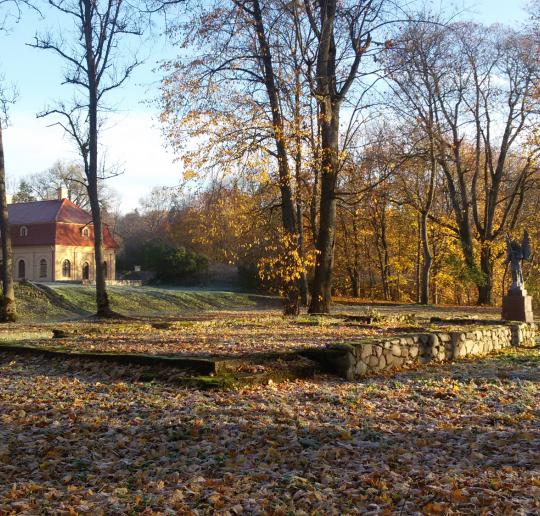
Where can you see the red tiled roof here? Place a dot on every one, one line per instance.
(40, 212)
(38, 234)
(53, 222)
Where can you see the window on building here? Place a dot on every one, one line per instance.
(23, 231)
(66, 269)
(85, 232)
(43, 268)
(105, 270)
(21, 272)
(86, 271)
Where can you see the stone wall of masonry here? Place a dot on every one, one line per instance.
(396, 352)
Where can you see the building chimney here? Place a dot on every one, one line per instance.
(62, 193)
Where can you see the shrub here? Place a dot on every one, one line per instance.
(173, 264)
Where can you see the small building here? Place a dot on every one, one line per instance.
(53, 240)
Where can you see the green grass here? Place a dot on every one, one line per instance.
(34, 305)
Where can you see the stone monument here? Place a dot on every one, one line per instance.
(517, 305)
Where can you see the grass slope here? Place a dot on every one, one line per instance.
(35, 305)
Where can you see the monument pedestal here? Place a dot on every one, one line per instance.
(517, 306)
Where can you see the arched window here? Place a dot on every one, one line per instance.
(21, 272)
(43, 268)
(105, 270)
(86, 271)
(66, 269)
(23, 231)
(85, 232)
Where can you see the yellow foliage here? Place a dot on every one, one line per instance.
(283, 263)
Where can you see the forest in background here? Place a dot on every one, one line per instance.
(349, 148)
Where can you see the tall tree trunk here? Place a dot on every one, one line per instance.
(288, 211)
(427, 260)
(91, 166)
(329, 102)
(322, 283)
(354, 276)
(418, 273)
(315, 141)
(383, 252)
(385, 272)
(303, 282)
(102, 297)
(485, 290)
(371, 275)
(427, 257)
(9, 310)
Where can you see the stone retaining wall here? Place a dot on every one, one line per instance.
(115, 283)
(523, 334)
(381, 354)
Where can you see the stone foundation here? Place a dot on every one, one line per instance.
(382, 354)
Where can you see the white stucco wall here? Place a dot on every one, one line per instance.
(54, 257)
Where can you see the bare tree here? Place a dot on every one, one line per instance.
(413, 99)
(95, 67)
(44, 185)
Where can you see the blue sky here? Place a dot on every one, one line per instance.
(132, 138)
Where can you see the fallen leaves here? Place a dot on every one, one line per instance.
(89, 438)
(214, 334)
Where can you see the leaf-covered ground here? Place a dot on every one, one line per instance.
(84, 438)
(216, 333)
(226, 333)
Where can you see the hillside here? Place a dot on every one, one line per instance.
(61, 302)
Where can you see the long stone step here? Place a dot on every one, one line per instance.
(245, 370)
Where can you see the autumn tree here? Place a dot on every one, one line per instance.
(231, 92)
(345, 37)
(413, 98)
(95, 66)
(472, 91)
(421, 177)
(367, 170)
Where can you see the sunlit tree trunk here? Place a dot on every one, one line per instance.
(102, 298)
(288, 210)
(326, 239)
(330, 89)
(303, 282)
(9, 310)
(329, 106)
